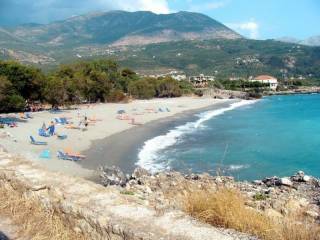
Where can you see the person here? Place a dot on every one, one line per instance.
(51, 128)
(86, 123)
(44, 127)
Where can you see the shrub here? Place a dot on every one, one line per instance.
(13, 103)
(142, 89)
(199, 93)
(116, 96)
(227, 208)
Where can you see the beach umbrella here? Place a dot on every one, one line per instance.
(121, 111)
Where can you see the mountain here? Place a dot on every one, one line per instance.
(311, 41)
(122, 28)
(226, 58)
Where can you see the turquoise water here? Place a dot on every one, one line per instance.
(277, 135)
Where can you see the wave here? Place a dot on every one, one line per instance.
(237, 167)
(149, 156)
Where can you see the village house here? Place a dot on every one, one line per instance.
(272, 81)
(201, 81)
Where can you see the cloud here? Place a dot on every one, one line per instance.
(207, 6)
(44, 11)
(249, 28)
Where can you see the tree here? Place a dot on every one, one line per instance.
(142, 89)
(55, 91)
(168, 87)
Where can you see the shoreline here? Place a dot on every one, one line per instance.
(124, 154)
(16, 140)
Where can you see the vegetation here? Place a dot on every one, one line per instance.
(91, 81)
(32, 220)
(226, 208)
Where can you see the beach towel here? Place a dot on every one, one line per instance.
(45, 154)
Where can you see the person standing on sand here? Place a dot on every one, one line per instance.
(51, 128)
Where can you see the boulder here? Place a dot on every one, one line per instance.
(271, 213)
(140, 172)
(306, 178)
(286, 182)
(112, 176)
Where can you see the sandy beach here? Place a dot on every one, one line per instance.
(106, 124)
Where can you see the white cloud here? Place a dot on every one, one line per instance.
(207, 5)
(156, 6)
(249, 28)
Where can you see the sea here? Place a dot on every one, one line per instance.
(274, 136)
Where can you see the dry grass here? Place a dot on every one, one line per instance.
(32, 220)
(226, 208)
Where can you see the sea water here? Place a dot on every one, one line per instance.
(276, 135)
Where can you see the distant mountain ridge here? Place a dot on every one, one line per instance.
(122, 28)
(311, 41)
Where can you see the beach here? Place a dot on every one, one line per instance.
(103, 124)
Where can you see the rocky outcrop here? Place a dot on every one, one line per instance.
(104, 212)
(275, 196)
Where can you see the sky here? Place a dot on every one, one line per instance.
(257, 19)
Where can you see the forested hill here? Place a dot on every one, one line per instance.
(228, 58)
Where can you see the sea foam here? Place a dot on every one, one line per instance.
(152, 148)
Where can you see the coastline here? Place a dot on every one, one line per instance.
(113, 151)
(16, 140)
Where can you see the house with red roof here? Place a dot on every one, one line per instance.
(266, 79)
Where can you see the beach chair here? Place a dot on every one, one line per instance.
(34, 142)
(28, 115)
(64, 156)
(42, 133)
(70, 152)
(62, 136)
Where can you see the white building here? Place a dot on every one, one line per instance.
(272, 81)
(201, 80)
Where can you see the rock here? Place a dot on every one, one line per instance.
(140, 172)
(272, 213)
(312, 214)
(272, 181)
(286, 182)
(307, 178)
(192, 176)
(257, 182)
(112, 176)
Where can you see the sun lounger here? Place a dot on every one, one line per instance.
(22, 116)
(64, 156)
(71, 126)
(124, 117)
(34, 142)
(62, 136)
(168, 110)
(28, 115)
(42, 133)
(69, 152)
(160, 110)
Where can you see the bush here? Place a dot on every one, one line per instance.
(199, 93)
(227, 208)
(13, 103)
(116, 96)
(168, 87)
(142, 89)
